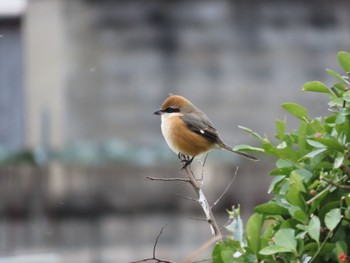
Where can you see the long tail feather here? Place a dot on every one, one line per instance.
(246, 155)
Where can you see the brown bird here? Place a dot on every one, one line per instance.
(188, 131)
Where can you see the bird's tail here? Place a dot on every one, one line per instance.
(246, 155)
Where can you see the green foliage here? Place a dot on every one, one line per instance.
(307, 220)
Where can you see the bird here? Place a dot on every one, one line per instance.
(188, 131)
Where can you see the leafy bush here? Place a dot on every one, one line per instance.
(307, 220)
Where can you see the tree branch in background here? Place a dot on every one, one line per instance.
(197, 185)
(200, 197)
(225, 191)
(154, 258)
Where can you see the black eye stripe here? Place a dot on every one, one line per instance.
(171, 110)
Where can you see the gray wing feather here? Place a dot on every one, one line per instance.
(199, 123)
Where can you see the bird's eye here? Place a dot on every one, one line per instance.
(171, 110)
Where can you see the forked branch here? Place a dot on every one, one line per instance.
(200, 197)
(154, 258)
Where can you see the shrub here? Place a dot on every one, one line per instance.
(307, 220)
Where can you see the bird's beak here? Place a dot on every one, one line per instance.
(158, 112)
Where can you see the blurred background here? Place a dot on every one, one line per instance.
(79, 81)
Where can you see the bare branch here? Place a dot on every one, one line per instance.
(200, 198)
(154, 258)
(340, 186)
(198, 218)
(227, 223)
(203, 260)
(188, 198)
(167, 179)
(199, 192)
(228, 187)
(156, 242)
(200, 250)
(324, 190)
(203, 202)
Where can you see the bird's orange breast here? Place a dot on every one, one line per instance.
(181, 139)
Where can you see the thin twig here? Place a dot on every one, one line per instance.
(156, 242)
(324, 190)
(198, 218)
(154, 258)
(318, 195)
(340, 186)
(187, 198)
(227, 223)
(201, 198)
(203, 260)
(205, 160)
(228, 187)
(200, 250)
(167, 179)
(203, 202)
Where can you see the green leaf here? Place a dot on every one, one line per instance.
(340, 119)
(314, 228)
(304, 174)
(340, 87)
(223, 251)
(302, 135)
(294, 196)
(327, 206)
(274, 249)
(332, 219)
(337, 102)
(347, 200)
(337, 76)
(338, 160)
(346, 96)
(316, 144)
(345, 111)
(251, 132)
(282, 145)
(314, 153)
(283, 163)
(284, 242)
(331, 143)
(316, 86)
(247, 148)
(295, 180)
(295, 109)
(275, 182)
(282, 171)
(281, 128)
(344, 60)
(298, 214)
(254, 225)
(271, 209)
(267, 235)
(315, 204)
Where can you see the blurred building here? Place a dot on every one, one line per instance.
(94, 71)
(79, 81)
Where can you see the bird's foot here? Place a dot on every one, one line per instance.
(185, 160)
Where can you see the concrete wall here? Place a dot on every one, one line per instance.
(96, 70)
(45, 73)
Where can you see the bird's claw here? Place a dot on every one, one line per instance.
(185, 160)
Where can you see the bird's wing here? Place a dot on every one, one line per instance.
(200, 124)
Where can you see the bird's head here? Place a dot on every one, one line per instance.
(175, 104)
